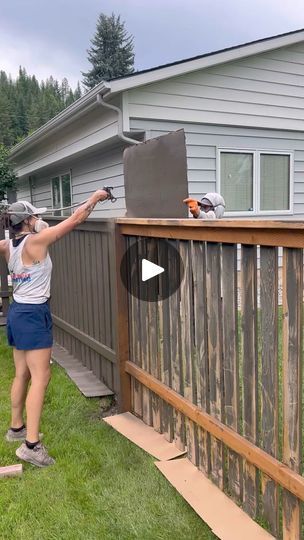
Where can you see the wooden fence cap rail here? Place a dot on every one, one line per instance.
(215, 224)
(265, 232)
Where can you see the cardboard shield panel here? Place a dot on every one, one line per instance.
(155, 175)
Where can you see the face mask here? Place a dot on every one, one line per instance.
(40, 225)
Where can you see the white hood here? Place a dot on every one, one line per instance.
(217, 202)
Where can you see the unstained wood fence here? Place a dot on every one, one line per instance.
(217, 366)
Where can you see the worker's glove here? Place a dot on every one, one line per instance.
(193, 206)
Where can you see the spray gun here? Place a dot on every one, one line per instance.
(110, 194)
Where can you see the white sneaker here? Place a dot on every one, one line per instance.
(37, 456)
(12, 436)
(18, 436)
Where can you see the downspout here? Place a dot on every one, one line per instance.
(120, 134)
(31, 188)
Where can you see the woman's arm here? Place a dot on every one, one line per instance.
(52, 234)
(4, 249)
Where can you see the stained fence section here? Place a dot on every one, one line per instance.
(5, 291)
(83, 297)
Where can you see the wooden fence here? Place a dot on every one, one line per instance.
(4, 289)
(216, 367)
(215, 371)
(83, 298)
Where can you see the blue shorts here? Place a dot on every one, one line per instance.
(29, 326)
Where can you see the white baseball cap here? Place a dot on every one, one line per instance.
(20, 210)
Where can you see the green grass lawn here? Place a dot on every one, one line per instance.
(102, 486)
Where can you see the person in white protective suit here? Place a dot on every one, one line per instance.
(211, 206)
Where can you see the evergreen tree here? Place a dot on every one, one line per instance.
(7, 175)
(77, 93)
(111, 54)
(25, 105)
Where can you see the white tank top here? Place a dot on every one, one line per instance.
(31, 284)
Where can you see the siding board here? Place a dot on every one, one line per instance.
(265, 90)
(203, 140)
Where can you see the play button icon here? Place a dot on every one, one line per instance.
(150, 270)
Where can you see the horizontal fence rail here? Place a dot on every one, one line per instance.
(217, 366)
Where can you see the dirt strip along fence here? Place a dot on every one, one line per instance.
(83, 294)
(213, 371)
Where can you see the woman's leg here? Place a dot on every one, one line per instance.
(19, 388)
(38, 363)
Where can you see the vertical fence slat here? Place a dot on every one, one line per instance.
(120, 307)
(78, 285)
(269, 379)
(164, 341)
(250, 370)
(106, 288)
(74, 298)
(175, 344)
(111, 227)
(134, 324)
(87, 359)
(99, 294)
(95, 302)
(153, 368)
(292, 382)
(186, 317)
(201, 348)
(144, 338)
(89, 294)
(215, 356)
(231, 364)
(69, 291)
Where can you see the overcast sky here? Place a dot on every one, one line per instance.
(51, 37)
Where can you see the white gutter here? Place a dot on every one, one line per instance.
(120, 133)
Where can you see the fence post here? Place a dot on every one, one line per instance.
(122, 324)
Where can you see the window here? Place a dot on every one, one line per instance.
(255, 181)
(61, 194)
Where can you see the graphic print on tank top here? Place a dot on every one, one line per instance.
(31, 284)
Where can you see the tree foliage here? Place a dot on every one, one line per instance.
(111, 54)
(7, 175)
(26, 104)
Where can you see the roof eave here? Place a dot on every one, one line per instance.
(205, 61)
(63, 117)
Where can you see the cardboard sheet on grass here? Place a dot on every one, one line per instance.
(224, 517)
(143, 436)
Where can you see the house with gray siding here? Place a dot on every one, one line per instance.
(242, 110)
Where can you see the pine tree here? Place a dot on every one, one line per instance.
(7, 175)
(77, 93)
(25, 104)
(111, 54)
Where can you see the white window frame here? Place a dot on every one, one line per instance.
(256, 181)
(60, 186)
